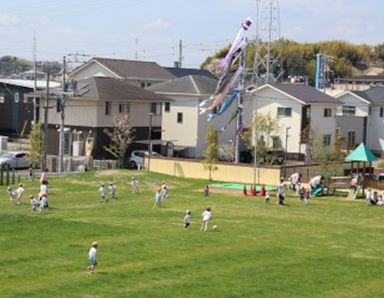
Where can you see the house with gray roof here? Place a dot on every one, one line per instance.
(302, 112)
(360, 118)
(139, 73)
(92, 108)
(182, 72)
(184, 130)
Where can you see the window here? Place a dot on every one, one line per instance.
(142, 85)
(349, 110)
(156, 108)
(351, 139)
(284, 112)
(338, 131)
(179, 117)
(369, 110)
(17, 97)
(167, 107)
(149, 84)
(327, 112)
(2, 98)
(108, 108)
(124, 108)
(326, 140)
(381, 112)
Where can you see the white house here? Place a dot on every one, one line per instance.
(301, 111)
(181, 123)
(361, 118)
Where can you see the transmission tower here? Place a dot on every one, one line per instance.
(267, 62)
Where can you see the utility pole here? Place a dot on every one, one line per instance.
(45, 149)
(62, 108)
(180, 52)
(34, 78)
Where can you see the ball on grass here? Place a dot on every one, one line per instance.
(215, 227)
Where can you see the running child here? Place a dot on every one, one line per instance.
(135, 185)
(19, 193)
(102, 194)
(207, 216)
(206, 191)
(158, 198)
(12, 195)
(267, 199)
(164, 190)
(112, 191)
(187, 219)
(34, 203)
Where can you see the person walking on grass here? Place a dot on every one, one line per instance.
(187, 219)
(112, 191)
(158, 198)
(207, 216)
(43, 202)
(34, 203)
(92, 261)
(307, 195)
(135, 185)
(19, 193)
(281, 192)
(164, 190)
(267, 199)
(102, 193)
(12, 195)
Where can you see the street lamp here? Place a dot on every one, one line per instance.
(286, 150)
(150, 139)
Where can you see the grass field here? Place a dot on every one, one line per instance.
(329, 248)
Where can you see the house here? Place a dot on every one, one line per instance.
(16, 111)
(92, 108)
(361, 118)
(182, 72)
(139, 73)
(184, 130)
(302, 112)
(359, 83)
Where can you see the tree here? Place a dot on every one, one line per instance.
(120, 137)
(212, 151)
(265, 129)
(36, 145)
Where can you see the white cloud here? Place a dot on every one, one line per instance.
(158, 24)
(6, 20)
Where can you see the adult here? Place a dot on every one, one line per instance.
(295, 181)
(316, 182)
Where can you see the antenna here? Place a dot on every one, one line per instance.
(34, 50)
(267, 65)
(136, 48)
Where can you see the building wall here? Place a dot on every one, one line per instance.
(267, 101)
(375, 134)
(351, 123)
(225, 172)
(323, 125)
(361, 106)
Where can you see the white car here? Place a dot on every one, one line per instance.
(136, 159)
(15, 159)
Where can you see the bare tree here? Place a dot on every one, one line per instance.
(212, 151)
(120, 137)
(36, 145)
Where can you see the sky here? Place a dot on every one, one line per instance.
(152, 29)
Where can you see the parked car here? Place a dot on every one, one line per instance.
(137, 158)
(15, 159)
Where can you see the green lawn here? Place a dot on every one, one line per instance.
(329, 248)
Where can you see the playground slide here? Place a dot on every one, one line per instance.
(317, 191)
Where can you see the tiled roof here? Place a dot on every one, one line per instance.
(305, 93)
(182, 72)
(135, 69)
(114, 89)
(196, 85)
(373, 94)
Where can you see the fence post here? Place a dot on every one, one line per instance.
(13, 176)
(7, 175)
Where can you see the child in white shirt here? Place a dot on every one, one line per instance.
(34, 203)
(92, 257)
(135, 185)
(267, 200)
(11, 194)
(19, 193)
(102, 193)
(187, 219)
(207, 216)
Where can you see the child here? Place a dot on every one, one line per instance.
(43, 189)
(43, 202)
(307, 195)
(92, 257)
(263, 191)
(135, 185)
(112, 191)
(281, 192)
(206, 191)
(164, 190)
(267, 200)
(34, 203)
(19, 194)
(30, 172)
(102, 193)
(187, 219)
(11, 194)
(207, 216)
(302, 193)
(158, 198)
